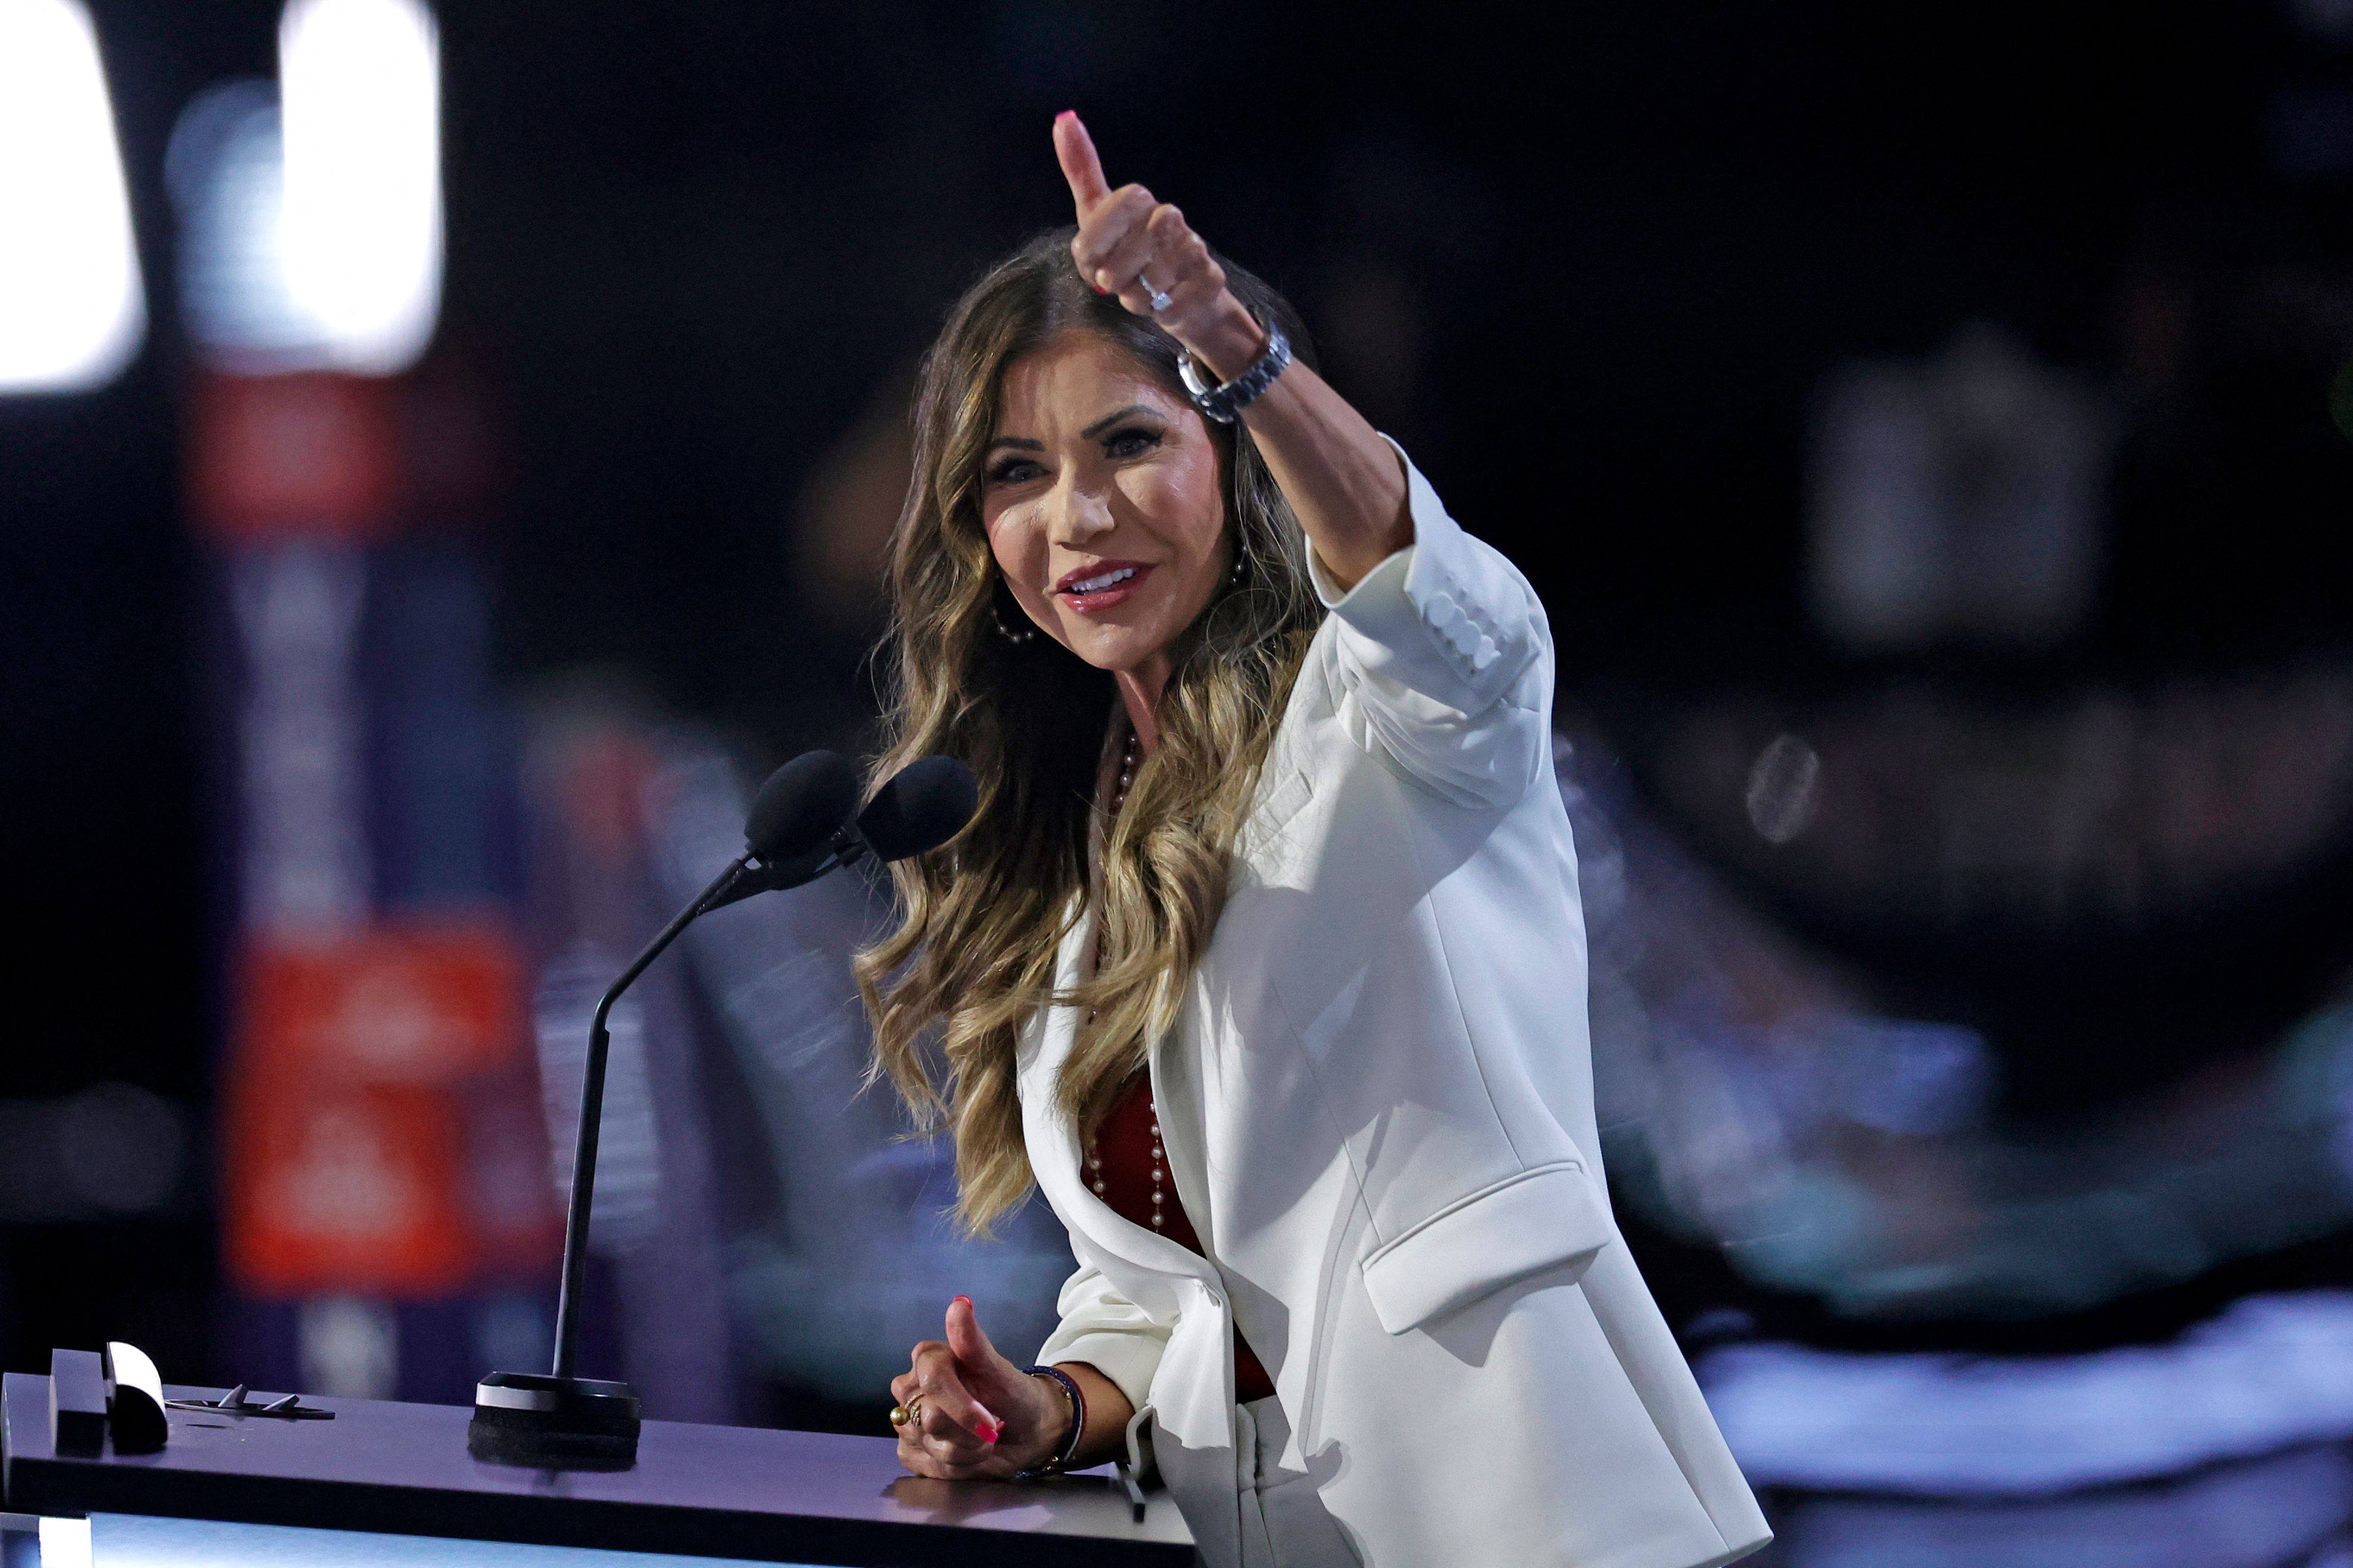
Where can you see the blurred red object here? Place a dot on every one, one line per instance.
(338, 1188)
(364, 1071)
(309, 456)
(398, 1004)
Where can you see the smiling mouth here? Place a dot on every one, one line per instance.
(1105, 588)
(1100, 582)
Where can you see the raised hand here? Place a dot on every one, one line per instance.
(1139, 248)
(1346, 485)
(975, 1416)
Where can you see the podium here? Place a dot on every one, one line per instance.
(392, 1469)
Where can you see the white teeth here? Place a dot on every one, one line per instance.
(1097, 584)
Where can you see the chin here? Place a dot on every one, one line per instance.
(1112, 649)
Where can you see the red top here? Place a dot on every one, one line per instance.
(1123, 1148)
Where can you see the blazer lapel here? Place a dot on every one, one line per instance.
(1053, 1143)
(1169, 1282)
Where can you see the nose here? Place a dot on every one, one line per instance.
(1079, 514)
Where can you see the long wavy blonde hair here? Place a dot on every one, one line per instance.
(950, 990)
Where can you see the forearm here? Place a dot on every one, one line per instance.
(1346, 485)
(1108, 1414)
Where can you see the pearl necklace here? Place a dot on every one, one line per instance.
(1159, 1160)
(1128, 757)
(1159, 1174)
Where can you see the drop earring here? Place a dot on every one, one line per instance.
(1007, 633)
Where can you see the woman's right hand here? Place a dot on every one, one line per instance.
(978, 1416)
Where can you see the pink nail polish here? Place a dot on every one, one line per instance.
(990, 1431)
(1066, 114)
(965, 1300)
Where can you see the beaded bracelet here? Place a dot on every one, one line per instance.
(1061, 1462)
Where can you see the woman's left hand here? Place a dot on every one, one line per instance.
(1346, 485)
(1132, 244)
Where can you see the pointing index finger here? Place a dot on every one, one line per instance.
(1076, 151)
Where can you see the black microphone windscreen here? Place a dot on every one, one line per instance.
(922, 807)
(803, 804)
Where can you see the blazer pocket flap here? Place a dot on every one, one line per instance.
(1538, 1220)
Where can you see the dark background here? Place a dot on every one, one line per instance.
(1590, 263)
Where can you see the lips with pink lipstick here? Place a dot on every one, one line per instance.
(1091, 590)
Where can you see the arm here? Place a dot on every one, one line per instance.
(1108, 1414)
(1438, 661)
(1346, 485)
(1441, 665)
(1111, 1349)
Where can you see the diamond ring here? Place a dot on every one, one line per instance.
(1160, 301)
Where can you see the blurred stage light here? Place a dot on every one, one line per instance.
(1782, 784)
(71, 309)
(360, 84)
(65, 1543)
(226, 168)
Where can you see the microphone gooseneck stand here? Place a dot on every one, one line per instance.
(558, 1419)
(800, 827)
(592, 1117)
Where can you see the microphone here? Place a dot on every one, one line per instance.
(801, 805)
(926, 802)
(799, 828)
(923, 806)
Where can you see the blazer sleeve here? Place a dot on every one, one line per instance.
(1109, 1333)
(1441, 659)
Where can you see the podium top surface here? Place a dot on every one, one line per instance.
(721, 1491)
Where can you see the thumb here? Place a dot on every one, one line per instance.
(965, 1340)
(976, 1359)
(1076, 151)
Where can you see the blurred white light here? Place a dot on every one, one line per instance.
(359, 83)
(71, 309)
(1781, 788)
(65, 1543)
(226, 172)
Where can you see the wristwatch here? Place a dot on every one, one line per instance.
(1221, 404)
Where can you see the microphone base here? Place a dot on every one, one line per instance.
(554, 1423)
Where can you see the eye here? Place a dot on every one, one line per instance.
(1014, 469)
(1132, 441)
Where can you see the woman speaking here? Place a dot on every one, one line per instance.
(1262, 958)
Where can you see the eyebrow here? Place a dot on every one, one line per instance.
(1088, 434)
(1108, 420)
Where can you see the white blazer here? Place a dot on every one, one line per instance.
(1378, 1110)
